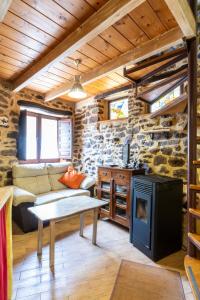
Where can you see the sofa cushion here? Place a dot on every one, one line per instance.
(87, 182)
(29, 170)
(35, 185)
(55, 184)
(27, 183)
(47, 198)
(72, 179)
(21, 196)
(71, 193)
(56, 168)
(43, 184)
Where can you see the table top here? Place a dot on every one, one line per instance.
(65, 207)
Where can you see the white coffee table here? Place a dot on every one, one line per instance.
(61, 210)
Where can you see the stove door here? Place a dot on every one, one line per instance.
(142, 219)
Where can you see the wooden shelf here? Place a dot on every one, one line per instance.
(176, 105)
(122, 206)
(195, 187)
(123, 195)
(195, 239)
(195, 212)
(192, 268)
(105, 190)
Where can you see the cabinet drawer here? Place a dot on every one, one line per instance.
(121, 178)
(104, 175)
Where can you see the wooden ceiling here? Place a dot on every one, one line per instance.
(32, 28)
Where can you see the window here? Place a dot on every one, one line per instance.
(118, 109)
(166, 99)
(44, 138)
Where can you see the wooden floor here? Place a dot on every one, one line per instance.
(82, 270)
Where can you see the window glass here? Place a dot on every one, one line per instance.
(118, 109)
(31, 138)
(49, 138)
(166, 99)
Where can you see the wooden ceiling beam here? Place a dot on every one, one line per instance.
(145, 50)
(184, 17)
(4, 6)
(105, 17)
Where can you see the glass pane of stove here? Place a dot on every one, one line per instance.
(142, 210)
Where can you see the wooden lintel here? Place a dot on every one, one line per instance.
(183, 16)
(4, 6)
(113, 91)
(106, 16)
(147, 49)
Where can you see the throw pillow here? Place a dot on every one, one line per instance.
(72, 179)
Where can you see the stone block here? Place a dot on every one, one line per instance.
(159, 160)
(176, 162)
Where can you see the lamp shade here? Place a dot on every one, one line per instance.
(77, 90)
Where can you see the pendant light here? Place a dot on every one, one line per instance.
(77, 90)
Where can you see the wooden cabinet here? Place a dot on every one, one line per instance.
(114, 186)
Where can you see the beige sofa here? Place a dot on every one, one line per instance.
(37, 184)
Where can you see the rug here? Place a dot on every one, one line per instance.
(137, 281)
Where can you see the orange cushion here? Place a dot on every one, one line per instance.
(72, 179)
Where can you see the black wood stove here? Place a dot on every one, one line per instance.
(156, 220)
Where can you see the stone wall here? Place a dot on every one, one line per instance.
(8, 135)
(164, 153)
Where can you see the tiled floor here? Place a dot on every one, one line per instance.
(82, 270)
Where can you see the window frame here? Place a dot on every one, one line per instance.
(109, 111)
(39, 118)
(159, 98)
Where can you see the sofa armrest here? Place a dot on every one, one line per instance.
(22, 196)
(87, 183)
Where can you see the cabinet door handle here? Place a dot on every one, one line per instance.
(104, 174)
(121, 176)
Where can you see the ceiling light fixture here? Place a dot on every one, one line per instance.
(77, 90)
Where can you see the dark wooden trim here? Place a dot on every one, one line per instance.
(161, 76)
(166, 74)
(46, 109)
(161, 68)
(114, 91)
(155, 60)
(162, 83)
(192, 128)
(171, 88)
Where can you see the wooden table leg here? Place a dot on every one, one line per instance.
(40, 235)
(81, 224)
(95, 218)
(52, 244)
